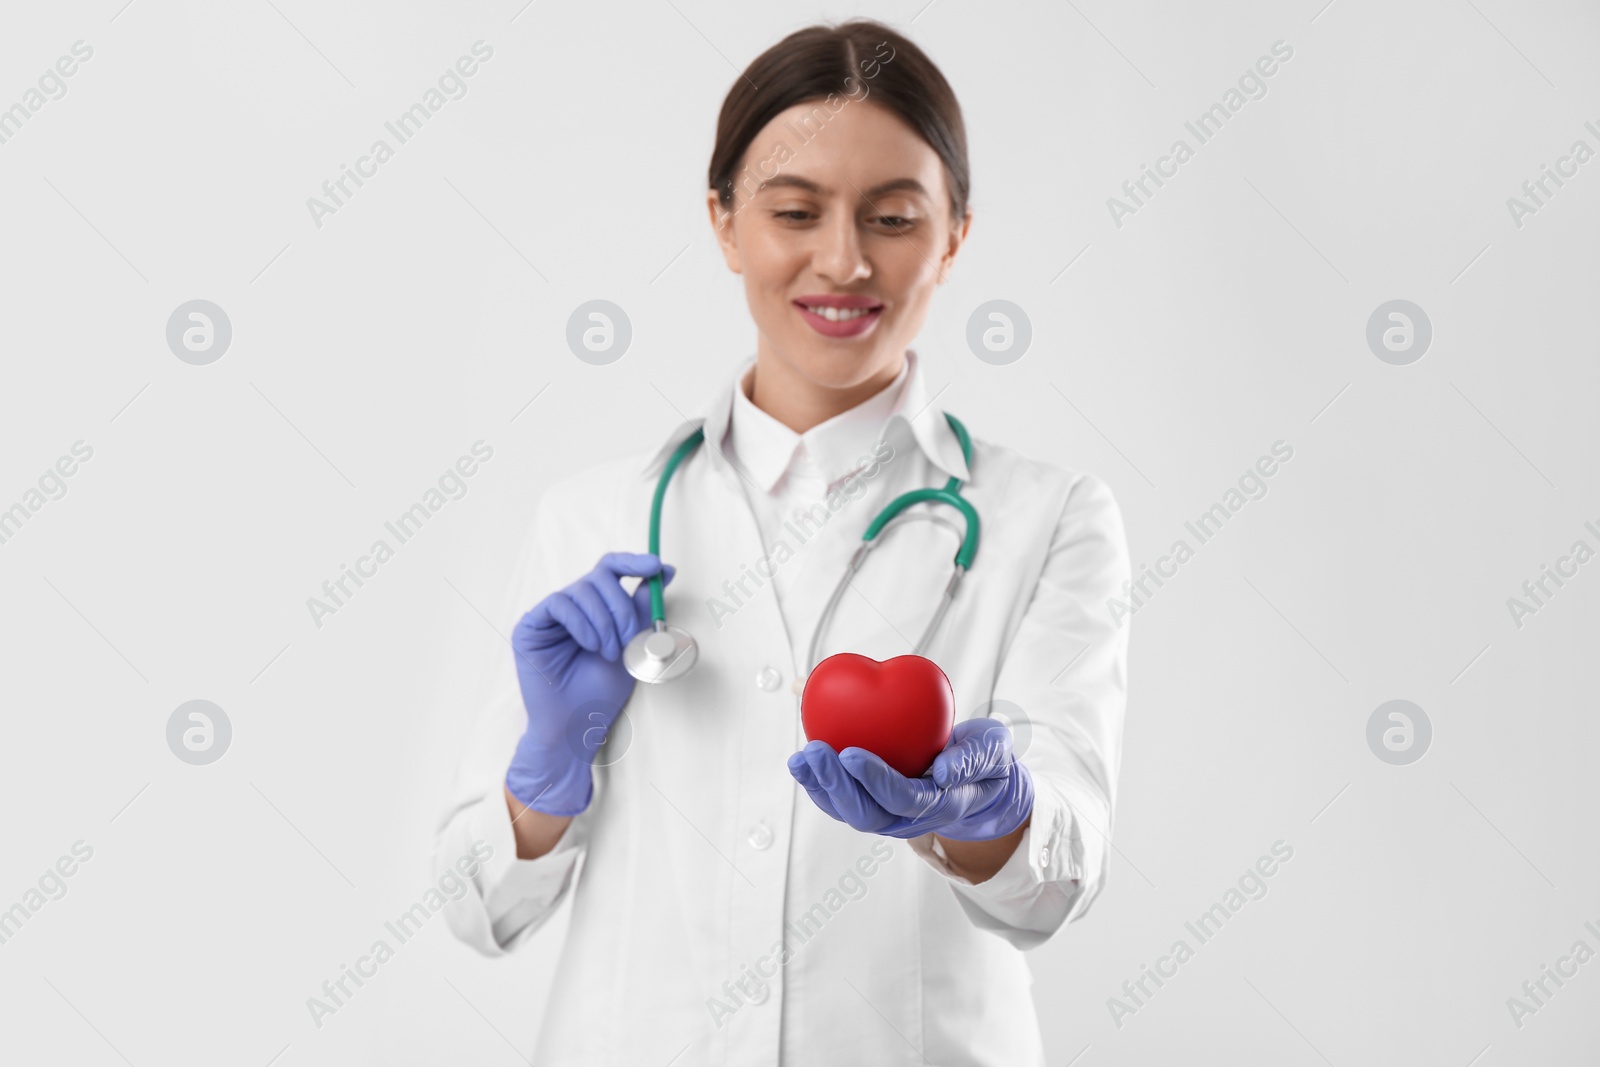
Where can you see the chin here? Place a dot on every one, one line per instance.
(840, 367)
(836, 363)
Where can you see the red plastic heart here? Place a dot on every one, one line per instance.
(901, 709)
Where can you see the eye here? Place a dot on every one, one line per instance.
(898, 222)
(792, 215)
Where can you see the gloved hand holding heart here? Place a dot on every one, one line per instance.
(882, 755)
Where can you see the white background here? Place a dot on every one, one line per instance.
(368, 354)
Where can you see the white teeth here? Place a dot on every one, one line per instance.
(839, 314)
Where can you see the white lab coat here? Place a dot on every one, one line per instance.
(717, 912)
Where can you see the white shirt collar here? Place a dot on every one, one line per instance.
(830, 450)
(910, 414)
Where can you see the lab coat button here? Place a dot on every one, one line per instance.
(1044, 856)
(761, 837)
(769, 678)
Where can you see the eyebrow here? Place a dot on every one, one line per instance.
(882, 188)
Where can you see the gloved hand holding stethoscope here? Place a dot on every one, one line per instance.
(568, 650)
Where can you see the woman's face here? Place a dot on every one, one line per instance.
(857, 217)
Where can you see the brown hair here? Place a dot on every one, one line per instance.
(858, 56)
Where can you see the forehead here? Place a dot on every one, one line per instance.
(842, 146)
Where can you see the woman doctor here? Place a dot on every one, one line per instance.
(747, 897)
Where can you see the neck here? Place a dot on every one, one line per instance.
(800, 403)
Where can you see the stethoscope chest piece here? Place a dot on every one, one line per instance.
(660, 654)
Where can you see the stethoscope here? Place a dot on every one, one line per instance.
(664, 652)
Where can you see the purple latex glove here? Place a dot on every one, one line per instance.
(569, 667)
(975, 790)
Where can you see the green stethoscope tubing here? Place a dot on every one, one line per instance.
(950, 494)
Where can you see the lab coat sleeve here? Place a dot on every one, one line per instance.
(1066, 669)
(507, 898)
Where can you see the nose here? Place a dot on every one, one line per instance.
(839, 257)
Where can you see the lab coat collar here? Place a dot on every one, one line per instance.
(913, 415)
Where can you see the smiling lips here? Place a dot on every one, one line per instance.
(840, 316)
